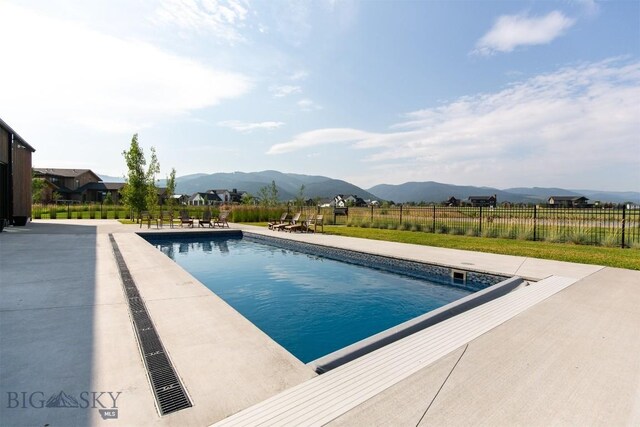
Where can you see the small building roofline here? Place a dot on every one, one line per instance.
(21, 140)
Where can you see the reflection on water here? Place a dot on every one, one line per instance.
(184, 247)
(310, 305)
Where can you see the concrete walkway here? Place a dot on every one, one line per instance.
(64, 326)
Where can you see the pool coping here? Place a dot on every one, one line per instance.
(374, 342)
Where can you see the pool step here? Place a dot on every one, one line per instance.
(326, 397)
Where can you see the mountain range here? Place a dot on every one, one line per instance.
(289, 184)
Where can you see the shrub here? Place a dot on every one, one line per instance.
(471, 232)
(442, 229)
(509, 233)
(555, 236)
(489, 232)
(580, 237)
(416, 227)
(611, 239)
(525, 234)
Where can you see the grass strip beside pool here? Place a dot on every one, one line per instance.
(584, 254)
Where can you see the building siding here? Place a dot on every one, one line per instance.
(21, 181)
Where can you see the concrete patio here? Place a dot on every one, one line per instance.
(571, 359)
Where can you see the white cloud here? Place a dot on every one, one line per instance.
(299, 75)
(308, 105)
(62, 72)
(284, 90)
(320, 137)
(221, 18)
(512, 31)
(568, 123)
(248, 127)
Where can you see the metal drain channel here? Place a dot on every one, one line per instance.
(169, 392)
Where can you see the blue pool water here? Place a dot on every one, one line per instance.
(311, 305)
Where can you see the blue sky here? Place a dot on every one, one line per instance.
(495, 93)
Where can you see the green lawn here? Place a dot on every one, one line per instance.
(585, 254)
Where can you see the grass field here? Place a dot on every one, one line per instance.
(611, 257)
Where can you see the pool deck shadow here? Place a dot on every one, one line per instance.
(570, 359)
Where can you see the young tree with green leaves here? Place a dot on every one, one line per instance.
(300, 199)
(140, 188)
(171, 189)
(269, 195)
(248, 199)
(37, 186)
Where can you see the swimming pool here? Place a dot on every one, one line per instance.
(310, 304)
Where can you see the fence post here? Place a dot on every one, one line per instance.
(535, 222)
(434, 219)
(480, 231)
(400, 214)
(624, 217)
(372, 214)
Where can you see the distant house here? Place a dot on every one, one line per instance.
(98, 191)
(70, 184)
(15, 177)
(76, 185)
(452, 201)
(236, 196)
(341, 201)
(223, 195)
(568, 202)
(204, 199)
(181, 199)
(483, 201)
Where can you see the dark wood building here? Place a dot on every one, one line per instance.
(484, 201)
(76, 185)
(15, 177)
(568, 202)
(452, 201)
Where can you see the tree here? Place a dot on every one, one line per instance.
(248, 199)
(171, 188)
(108, 199)
(37, 186)
(269, 194)
(140, 189)
(300, 199)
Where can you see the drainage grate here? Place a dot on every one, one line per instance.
(170, 395)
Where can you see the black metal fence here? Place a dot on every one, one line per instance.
(597, 226)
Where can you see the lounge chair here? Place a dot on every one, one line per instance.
(296, 225)
(314, 223)
(185, 219)
(221, 221)
(283, 220)
(206, 219)
(281, 226)
(166, 217)
(145, 216)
